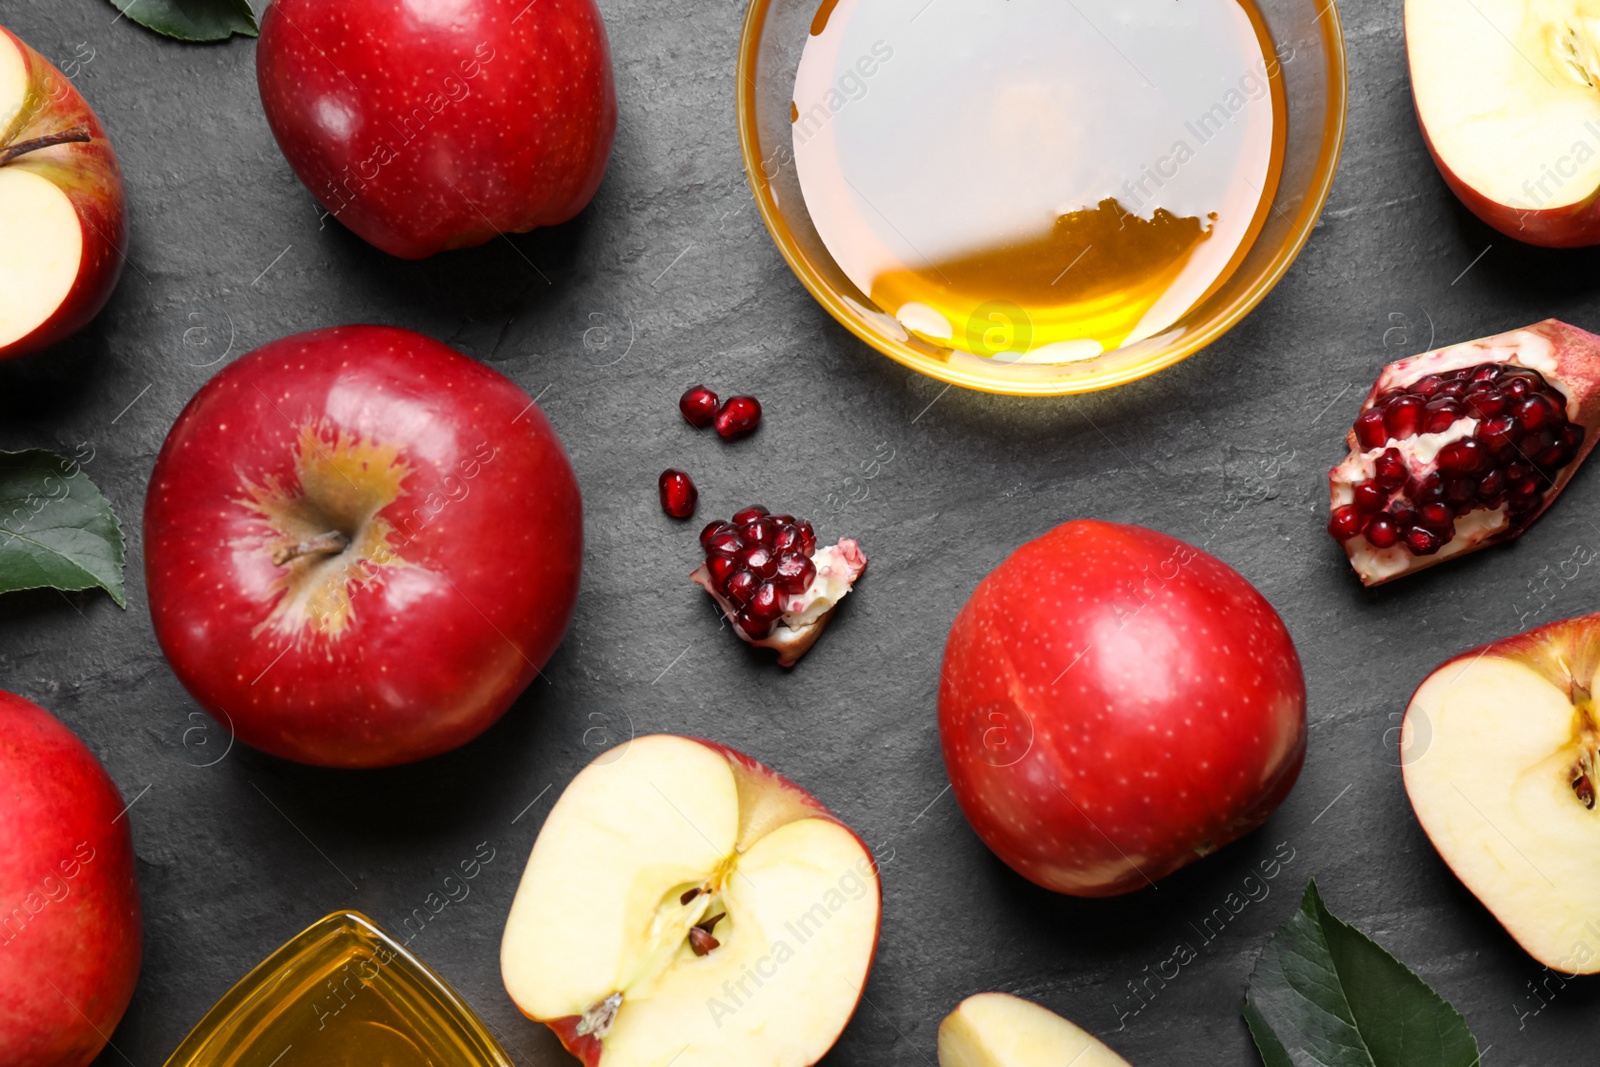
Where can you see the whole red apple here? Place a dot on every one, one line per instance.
(70, 940)
(1115, 704)
(429, 126)
(63, 213)
(360, 546)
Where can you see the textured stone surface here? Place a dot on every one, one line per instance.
(667, 280)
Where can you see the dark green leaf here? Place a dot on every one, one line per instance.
(1323, 992)
(192, 20)
(56, 530)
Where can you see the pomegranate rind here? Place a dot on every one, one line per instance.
(1569, 360)
(839, 567)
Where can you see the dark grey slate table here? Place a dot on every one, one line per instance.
(669, 279)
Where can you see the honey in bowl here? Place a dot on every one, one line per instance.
(1032, 180)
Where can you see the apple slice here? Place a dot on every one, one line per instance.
(684, 903)
(1498, 749)
(1506, 96)
(62, 208)
(1000, 1030)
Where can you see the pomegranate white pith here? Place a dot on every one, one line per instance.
(1499, 750)
(776, 588)
(686, 904)
(1464, 446)
(1000, 1030)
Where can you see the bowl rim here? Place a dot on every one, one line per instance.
(1193, 341)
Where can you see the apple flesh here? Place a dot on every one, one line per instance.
(360, 546)
(70, 940)
(63, 212)
(1499, 749)
(1000, 1030)
(1506, 97)
(686, 904)
(1116, 704)
(426, 127)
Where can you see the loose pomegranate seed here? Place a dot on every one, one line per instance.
(1345, 522)
(1382, 532)
(738, 416)
(1370, 430)
(678, 494)
(699, 406)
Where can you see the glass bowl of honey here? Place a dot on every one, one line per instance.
(1040, 198)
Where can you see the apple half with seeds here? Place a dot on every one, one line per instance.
(685, 904)
(1499, 750)
(1000, 1030)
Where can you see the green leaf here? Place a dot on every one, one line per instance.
(56, 529)
(1323, 992)
(192, 20)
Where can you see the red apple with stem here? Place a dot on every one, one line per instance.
(360, 546)
(1115, 704)
(426, 127)
(63, 213)
(70, 939)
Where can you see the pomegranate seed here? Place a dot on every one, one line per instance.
(1368, 497)
(740, 587)
(1491, 485)
(1345, 522)
(1423, 542)
(760, 559)
(678, 494)
(1428, 386)
(1463, 456)
(1486, 373)
(1535, 411)
(1403, 417)
(795, 573)
(786, 538)
(1435, 516)
(1425, 490)
(759, 532)
(756, 628)
(1370, 431)
(1402, 514)
(1486, 403)
(808, 537)
(1441, 414)
(712, 529)
(1389, 470)
(1501, 432)
(1459, 490)
(766, 604)
(738, 416)
(749, 515)
(699, 406)
(1382, 532)
(721, 568)
(725, 543)
(1518, 383)
(1455, 389)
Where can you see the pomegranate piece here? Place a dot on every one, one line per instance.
(678, 494)
(738, 416)
(773, 583)
(1464, 447)
(699, 406)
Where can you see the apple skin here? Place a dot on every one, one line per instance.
(490, 117)
(69, 964)
(486, 534)
(90, 176)
(1115, 704)
(588, 1048)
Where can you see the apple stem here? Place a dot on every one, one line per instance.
(329, 544)
(76, 135)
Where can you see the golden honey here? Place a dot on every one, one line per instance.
(1036, 180)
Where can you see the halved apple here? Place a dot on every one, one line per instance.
(685, 904)
(63, 213)
(1000, 1030)
(1499, 749)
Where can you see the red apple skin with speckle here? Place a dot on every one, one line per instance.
(431, 126)
(1116, 704)
(70, 941)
